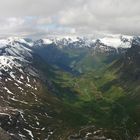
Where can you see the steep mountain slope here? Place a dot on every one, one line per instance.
(123, 88)
(129, 78)
(24, 97)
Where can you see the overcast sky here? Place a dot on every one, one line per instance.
(40, 18)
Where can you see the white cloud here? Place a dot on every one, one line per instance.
(38, 18)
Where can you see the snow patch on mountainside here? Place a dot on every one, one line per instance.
(117, 42)
(47, 41)
(7, 62)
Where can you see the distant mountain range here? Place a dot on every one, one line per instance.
(16, 52)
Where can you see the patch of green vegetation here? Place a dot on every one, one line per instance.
(97, 100)
(96, 96)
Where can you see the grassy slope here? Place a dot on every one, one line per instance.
(95, 97)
